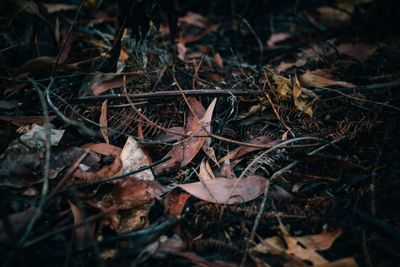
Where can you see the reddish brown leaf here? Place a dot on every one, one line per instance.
(218, 60)
(320, 242)
(17, 221)
(277, 37)
(241, 151)
(103, 122)
(102, 86)
(183, 153)
(175, 202)
(359, 51)
(106, 172)
(82, 235)
(37, 64)
(219, 190)
(23, 120)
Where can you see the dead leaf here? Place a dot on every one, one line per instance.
(218, 60)
(320, 242)
(175, 202)
(195, 19)
(302, 100)
(345, 262)
(57, 7)
(100, 86)
(277, 37)
(182, 50)
(106, 172)
(183, 153)
(205, 172)
(134, 158)
(168, 137)
(358, 51)
(287, 65)
(103, 121)
(82, 234)
(23, 120)
(309, 79)
(304, 253)
(219, 190)
(241, 151)
(37, 64)
(17, 221)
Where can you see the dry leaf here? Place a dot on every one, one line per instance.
(309, 79)
(100, 86)
(175, 202)
(302, 100)
(219, 190)
(205, 172)
(133, 158)
(241, 151)
(277, 37)
(345, 262)
(82, 235)
(359, 51)
(37, 64)
(287, 65)
(183, 153)
(57, 7)
(304, 253)
(103, 121)
(218, 60)
(322, 241)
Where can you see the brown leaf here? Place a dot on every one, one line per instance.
(57, 7)
(106, 172)
(133, 193)
(82, 235)
(359, 51)
(308, 79)
(277, 37)
(195, 19)
(287, 65)
(37, 64)
(205, 172)
(17, 221)
(345, 262)
(322, 241)
(183, 153)
(302, 100)
(218, 60)
(304, 253)
(219, 190)
(100, 86)
(23, 120)
(241, 151)
(103, 121)
(168, 137)
(182, 50)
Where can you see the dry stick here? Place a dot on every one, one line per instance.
(323, 93)
(45, 187)
(264, 199)
(361, 99)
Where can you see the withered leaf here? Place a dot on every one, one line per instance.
(219, 190)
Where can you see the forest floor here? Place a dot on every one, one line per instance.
(219, 133)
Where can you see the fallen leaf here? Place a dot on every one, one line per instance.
(99, 86)
(205, 172)
(287, 65)
(182, 50)
(320, 242)
(82, 233)
(277, 37)
(345, 262)
(36, 137)
(168, 137)
(304, 253)
(195, 19)
(106, 172)
(57, 7)
(103, 121)
(23, 120)
(175, 202)
(302, 100)
(218, 60)
(183, 153)
(17, 221)
(38, 64)
(243, 150)
(219, 190)
(359, 51)
(134, 158)
(309, 79)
